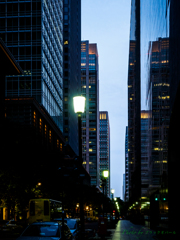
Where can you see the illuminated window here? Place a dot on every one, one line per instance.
(50, 136)
(66, 99)
(45, 130)
(92, 129)
(65, 42)
(58, 143)
(40, 124)
(34, 118)
(61, 147)
(90, 150)
(102, 115)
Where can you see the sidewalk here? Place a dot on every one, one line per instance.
(125, 230)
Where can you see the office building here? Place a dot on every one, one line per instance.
(159, 105)
(33, 32)
(156, 98)
(134, 105)
(145, 118)
(90, 118)
(105, 147)
(71, 69)
(126, 194)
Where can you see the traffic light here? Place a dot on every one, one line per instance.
(156, 197)
(164, 197)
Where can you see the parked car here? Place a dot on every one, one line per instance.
(45, 230)
(73, 224)
(12, 226)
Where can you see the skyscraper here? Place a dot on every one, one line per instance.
(90, 119)
(33, 32)
(126, 194)
(105, 147)
(72, 68)
(145, 118)
(134, 105)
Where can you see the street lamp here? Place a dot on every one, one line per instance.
(79, 106)
(105, 176)
(112, 192)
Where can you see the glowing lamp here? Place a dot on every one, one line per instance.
(105, 174)
(79, 104)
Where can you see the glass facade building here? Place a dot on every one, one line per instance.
(33, 32)
(134, 105)
(156, 84)
(126, 194)
(105, 147)
(90, 118)
(145, 118)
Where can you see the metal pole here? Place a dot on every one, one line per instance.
(81, 184)
(80, 138)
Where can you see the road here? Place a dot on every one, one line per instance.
(124, 230)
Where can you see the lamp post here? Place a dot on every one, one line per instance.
(105, 176)
(79, 106)
(112, 193)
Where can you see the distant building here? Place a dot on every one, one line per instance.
(123, 188)
(105, 147)
(33, 32)
(71, 69)
(126, 193)
(145, 118)
(90, 119)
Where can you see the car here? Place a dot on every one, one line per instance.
(45, 230)
(11, 225)
(73, 224)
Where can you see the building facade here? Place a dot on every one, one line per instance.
(126, 194)
(105, 147)
(33, 32)
(90, 119)
(134, 105)
(71, 69)
(145, 118)
(159, 105)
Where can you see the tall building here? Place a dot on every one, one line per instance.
(90, 119)
(159, 105)
(126, 194)
(105, 147)
(155, 88)
(145, 118)
(33, 32)
(71, 69)
(134, 105)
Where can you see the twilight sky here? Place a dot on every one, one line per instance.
(107, 23)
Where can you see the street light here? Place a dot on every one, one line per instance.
(105, 176)
(79, 106)
(112, 192)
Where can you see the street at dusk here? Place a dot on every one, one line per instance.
(89, 116)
